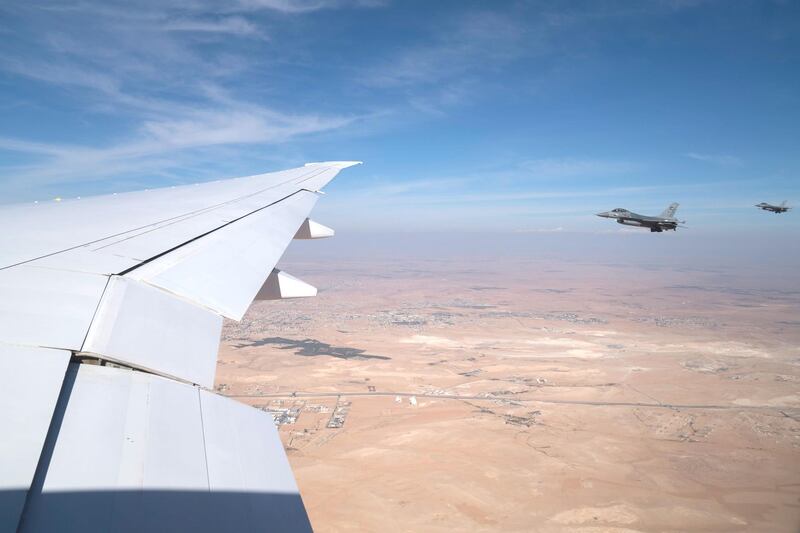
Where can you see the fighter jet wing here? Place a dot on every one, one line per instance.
(111, 309)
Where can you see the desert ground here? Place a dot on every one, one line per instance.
(531, 395)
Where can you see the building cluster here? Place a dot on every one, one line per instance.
(672, 321)
(339, 414)
(283, 415)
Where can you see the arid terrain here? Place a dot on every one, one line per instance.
(531, 395)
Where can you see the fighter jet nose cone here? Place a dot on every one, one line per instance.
(604, 214)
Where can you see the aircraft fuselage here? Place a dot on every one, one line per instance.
(628, 218)
(773, 208)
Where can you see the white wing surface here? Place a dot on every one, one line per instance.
(143, 280)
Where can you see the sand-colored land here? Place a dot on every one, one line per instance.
(434, 396)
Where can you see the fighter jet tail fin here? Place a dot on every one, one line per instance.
(783, 203)
(670, 211)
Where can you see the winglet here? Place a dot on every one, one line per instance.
(335, 164)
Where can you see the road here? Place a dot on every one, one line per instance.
(657, 405)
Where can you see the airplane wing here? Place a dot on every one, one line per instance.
(111, 309)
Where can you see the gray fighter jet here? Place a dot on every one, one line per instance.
(774, 208)
(664, 221)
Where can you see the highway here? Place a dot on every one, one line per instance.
(657, 405)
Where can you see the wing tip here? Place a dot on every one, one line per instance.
(335, 164)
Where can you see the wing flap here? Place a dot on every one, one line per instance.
(148, 328)
(136, 452)
(28, 398)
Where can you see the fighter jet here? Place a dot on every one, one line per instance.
(774, 208)
(664, 221)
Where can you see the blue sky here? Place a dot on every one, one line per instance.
(494, 116)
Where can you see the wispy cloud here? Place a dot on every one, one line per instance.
(496, 114)
(151, 69)
(540, 230)
(461, 191)
(457, 57)
(470, 43)
(304, 6)
(576, 167)
(716, 159)
(227, 25)
(162, 144)
(386, 189)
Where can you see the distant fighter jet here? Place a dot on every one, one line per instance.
(664, 221)
(774, 208)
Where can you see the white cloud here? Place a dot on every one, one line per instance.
(236, 126)
(62, 74)
(228, 25)
(574, 167)
(149, 67)
(717, 159)
(31, 147)
(304, 6)
(541, 230)
(161, 144)
(464, 47)
(388, 189)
